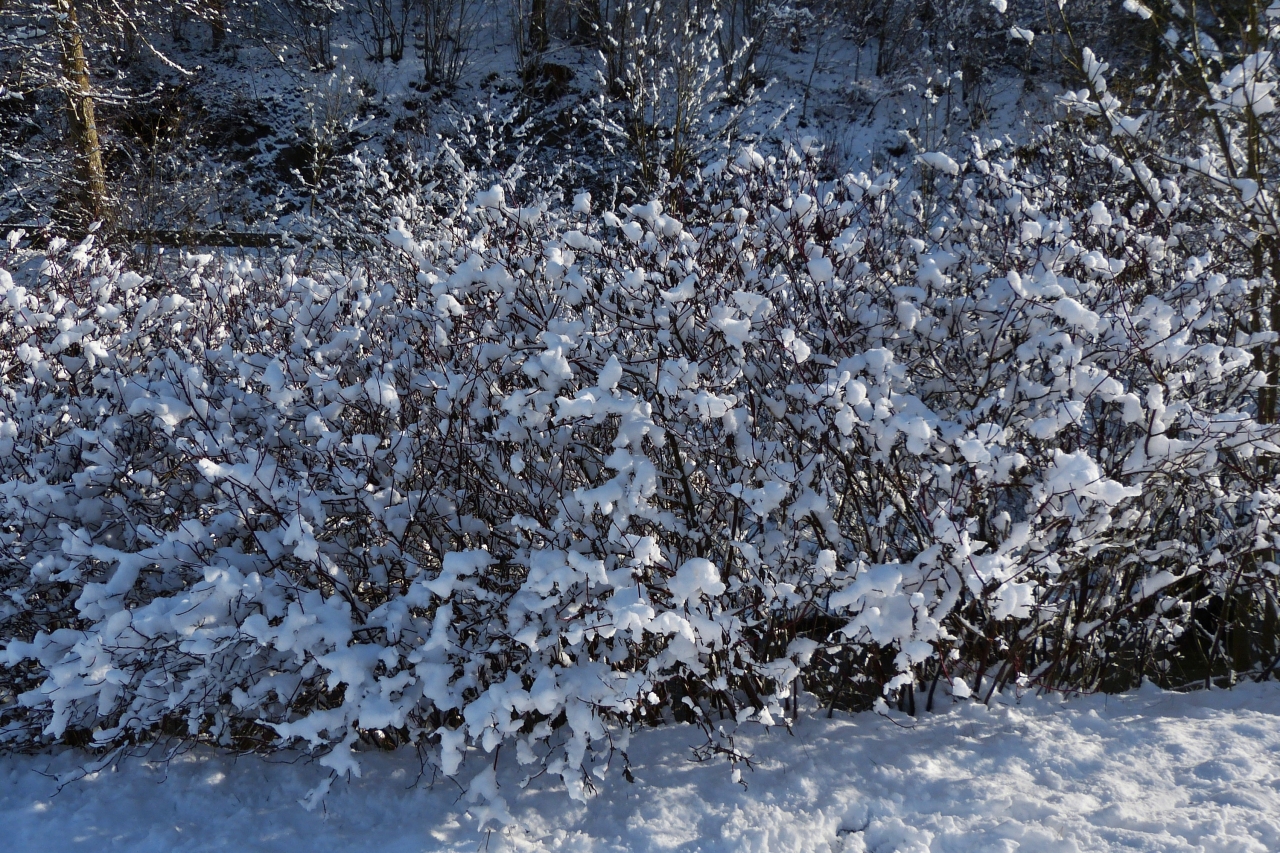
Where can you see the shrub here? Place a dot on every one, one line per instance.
(538, 474)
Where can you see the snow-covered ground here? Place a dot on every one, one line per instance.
(1152, 771)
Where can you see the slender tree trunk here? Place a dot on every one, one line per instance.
(217, 23)
(539, 35)
(589, 21)
(1267, 410)
(1255, 324)
(84, 126)
(1270, 394)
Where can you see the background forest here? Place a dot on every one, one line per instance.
(455, 373)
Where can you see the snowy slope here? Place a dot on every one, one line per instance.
(1152, 771)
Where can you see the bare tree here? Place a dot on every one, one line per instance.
(448, 34)
(388, 27)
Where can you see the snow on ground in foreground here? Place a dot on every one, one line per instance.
(1151, 771)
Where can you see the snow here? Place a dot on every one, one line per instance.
(694, 576)
(941, 162)
(1149, 771)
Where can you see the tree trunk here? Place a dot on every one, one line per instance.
(217, 23)
(539, 35)
(84, 127)
(589, 31)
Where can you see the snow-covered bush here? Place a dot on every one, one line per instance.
(1197, 151)
(537, 474)
(668, 91)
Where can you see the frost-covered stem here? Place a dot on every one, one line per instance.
(1274, 609)
(1268, 395)
(1205, 89)
(690, 504)
(1223, 620)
